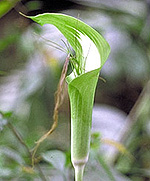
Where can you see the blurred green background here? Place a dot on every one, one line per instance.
(29, 73)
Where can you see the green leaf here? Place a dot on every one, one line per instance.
(6, 6)
(103, 163)
(56, 158)
(6, 114)
(95, 143)
(5, 172)
(11, 154)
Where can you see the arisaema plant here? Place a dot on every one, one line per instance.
(91, 52)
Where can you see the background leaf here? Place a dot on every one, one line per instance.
(56, 158)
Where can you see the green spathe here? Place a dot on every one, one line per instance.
(81, 87)
(81, 93)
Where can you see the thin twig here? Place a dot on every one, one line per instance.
(18, 136)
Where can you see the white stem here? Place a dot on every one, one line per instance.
(79, 169)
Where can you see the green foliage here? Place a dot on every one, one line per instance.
(6, 5)
(56, 158)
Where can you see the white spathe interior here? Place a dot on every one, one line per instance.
(90, 54)
(91, 57)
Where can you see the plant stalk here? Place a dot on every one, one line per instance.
(79, 169)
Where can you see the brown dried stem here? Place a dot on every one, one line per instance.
(58, 102)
